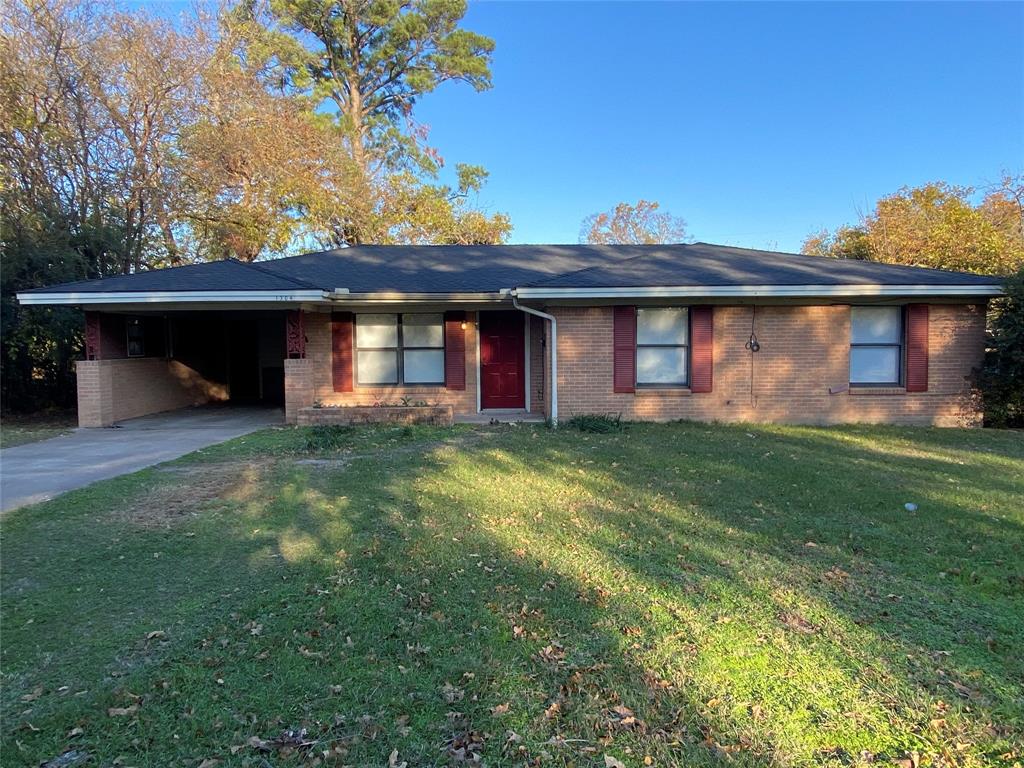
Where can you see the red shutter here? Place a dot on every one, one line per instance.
(917, 348)
(454, 350)
(624, 343)
(702, 348)
(341, 351)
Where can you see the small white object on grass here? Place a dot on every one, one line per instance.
(910, 506)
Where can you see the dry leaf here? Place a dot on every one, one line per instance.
(122, 711)
(501, 709)
(36, 693)
(393, 760)
(611, 762)
(797, 623)
(452, 693)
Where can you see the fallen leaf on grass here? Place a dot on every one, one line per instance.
(501, 709)
(67, 759)
(452, 693)
(797, 623)
(209, 762)
(962, 689)
(257, 743)
(623, 718)
(157, 635)
(611, 762)
(393, 760)
(122, 711)
(913, 760)
(402, 725)
(466, 747)
(553, 654)
(36, 693)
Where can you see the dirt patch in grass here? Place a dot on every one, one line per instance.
(193, 487)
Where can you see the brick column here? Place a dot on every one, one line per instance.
(298, 387)
(95, 394)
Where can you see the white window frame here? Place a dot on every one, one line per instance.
(900, 345)
(686, 353)
(399, 349)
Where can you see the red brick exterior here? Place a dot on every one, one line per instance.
(113, 390)
(313, 381)
(800, 374)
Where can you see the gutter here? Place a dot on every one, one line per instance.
(790, 291)
(395, 297)
(554, 354)
(167, 297)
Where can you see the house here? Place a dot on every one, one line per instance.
(654, 332)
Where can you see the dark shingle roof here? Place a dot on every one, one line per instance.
(227, 275)
(704, 264)
(440, 268)
(473, 269)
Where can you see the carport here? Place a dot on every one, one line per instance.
(141, 362)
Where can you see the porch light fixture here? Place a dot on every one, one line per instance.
(464, 325)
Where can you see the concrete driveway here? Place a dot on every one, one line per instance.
(39, 471)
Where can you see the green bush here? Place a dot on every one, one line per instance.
(597, 422)
(1001, 378)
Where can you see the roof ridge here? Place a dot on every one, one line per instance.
(840, 259)
(592, 266)
(274, 273)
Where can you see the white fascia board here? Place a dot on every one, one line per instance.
(172, 297)
(777, 291)
(393, 297)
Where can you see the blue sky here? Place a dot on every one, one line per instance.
(756, 122)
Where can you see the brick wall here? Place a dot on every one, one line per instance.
(313, 380)
(298, 387)
(804, 352)
(113, 390)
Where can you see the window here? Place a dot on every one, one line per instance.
(662, 347)
(876, 346)
(399, 349)
(136, 337)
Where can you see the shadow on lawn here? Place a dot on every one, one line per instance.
(394, 600)
(500, 624)
(869, 563)
(883, 562)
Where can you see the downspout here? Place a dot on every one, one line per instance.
(554, 354)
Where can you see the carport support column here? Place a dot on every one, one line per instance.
(95, 393)
(298, 387)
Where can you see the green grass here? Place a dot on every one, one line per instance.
(20, 429)
(667, 595)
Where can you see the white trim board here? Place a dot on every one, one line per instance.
(167, 297)
(791, 291)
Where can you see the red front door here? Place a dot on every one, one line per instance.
(502, 360)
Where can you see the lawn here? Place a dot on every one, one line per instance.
(18, 429)
(668, 595)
